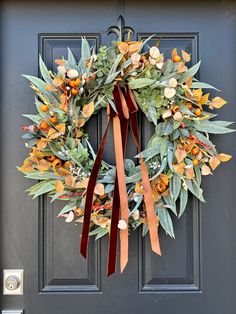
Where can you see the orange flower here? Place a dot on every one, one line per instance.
(42, 143)
(101, 221)
(59, 186)
(175, 56)
(159, 187)
(79, 211)
(129, 47)
(199, 97)
(27, 166)
(37, 158)
(138, 188)
(43, 165)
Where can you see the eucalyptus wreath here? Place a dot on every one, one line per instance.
(176, 157)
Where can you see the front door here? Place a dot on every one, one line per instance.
(196, 273)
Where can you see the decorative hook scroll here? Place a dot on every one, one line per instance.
(120, 29)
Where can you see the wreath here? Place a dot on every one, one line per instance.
(125, 78)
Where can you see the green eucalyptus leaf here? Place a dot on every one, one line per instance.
(91, 149)
(140, 83)
(195, 189)
(44, 188)
(71, 59)
(33, 117)
(107, 179)
(67, 208)
(152, 114)
(164, 128)
(175, 135)
(165, 221)
(36, 81)
(183, 201)
(41, 85)
(38, 104)
(163, 146)
(211, 127)
(134, 178)
(28, 136)
(175, 186)
(167, 67)
(184, 132)
(109, 188)
(111, 77)
(167, 128)
(169, 76)
(85, 49)
(198, 175)
(185, 110)
(170, 157)
(34, 188)
(56, 196)
(37, 175)
(145, 229)
(101, 233)
(56, 151)
(223, 123)
(115, 64)
(205, 140)
(203, 85)
(138, 203)
(111, 102)
(126, 63)
(170, 203)
(85, 54)
(44, 71)
(190, 72)
(129, 165)
(96, 231)
(31, 142)
(149, 153)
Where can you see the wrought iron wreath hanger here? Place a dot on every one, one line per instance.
(120, 29)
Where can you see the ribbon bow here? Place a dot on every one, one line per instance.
(126, 116)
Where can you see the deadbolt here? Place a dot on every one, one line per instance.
(12, 282)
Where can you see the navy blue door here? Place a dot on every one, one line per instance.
(196, 273)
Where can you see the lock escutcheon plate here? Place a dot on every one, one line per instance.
(13, 281)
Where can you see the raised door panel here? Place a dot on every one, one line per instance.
(178, 269)
(61, 267)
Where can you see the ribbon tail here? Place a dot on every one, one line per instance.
(150, 210)
(148, 200)
(113, 240)
(90, 192)
(111, 268)
(124, 215)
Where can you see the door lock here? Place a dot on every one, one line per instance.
(13, 281)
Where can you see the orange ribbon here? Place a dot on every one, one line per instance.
(148, 200)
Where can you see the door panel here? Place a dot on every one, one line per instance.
(59, 242)
(179, 268)
(196, 273)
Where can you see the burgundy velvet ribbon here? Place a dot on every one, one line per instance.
(90, 191)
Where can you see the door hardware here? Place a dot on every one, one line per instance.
(13, 281)
(12, 312)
